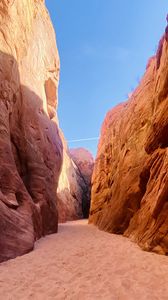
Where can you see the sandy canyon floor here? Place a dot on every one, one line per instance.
(81, 262)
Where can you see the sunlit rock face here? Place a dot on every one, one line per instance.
(130, 180)
(30, 144)
(74, 184)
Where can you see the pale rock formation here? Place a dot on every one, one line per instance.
(74, 185)
(130, 180)
(69, 189)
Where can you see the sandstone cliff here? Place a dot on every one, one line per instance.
(130, 180)
(85, 163)
(30, 145)
(74, 184)
(33, 153)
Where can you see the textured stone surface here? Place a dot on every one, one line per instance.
(130, 180)
(85, 163)
(74, 185)
(30, 145)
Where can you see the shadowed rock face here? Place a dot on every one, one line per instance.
(84, 161)
(33, 153)
(74, 184)
(130, 180)
(69, 189)
(30, 144)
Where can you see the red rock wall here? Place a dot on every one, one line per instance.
(130, 180)
(30, 145)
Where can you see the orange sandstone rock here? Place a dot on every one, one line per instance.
(130, 180)
(30, 144)
(33, 153)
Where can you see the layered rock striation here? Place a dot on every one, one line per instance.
(130, 180)
(30, 144)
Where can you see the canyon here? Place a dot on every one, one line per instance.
(42, 181)
(87, 220)
(34, 158)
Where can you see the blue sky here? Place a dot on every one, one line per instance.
(104, 46)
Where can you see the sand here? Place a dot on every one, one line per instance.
(81, 262)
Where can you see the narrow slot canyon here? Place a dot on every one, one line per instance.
(83, 181)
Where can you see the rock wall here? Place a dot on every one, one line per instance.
(33, 153)
(30, 144)
(130, 180)
(85, 163)
(74, 184)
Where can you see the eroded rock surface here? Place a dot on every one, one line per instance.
(74, 184)
(30, 145)
(85, 163)
(130, 180)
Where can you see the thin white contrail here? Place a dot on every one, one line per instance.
(83, 140)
